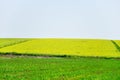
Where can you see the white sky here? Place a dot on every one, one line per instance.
(60, 18)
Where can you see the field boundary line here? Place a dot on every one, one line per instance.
(14, 43)
(57, 56)
(116, 45)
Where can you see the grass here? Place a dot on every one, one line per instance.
(73, 47)
(59, 68)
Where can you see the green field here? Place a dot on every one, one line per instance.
(59, 69)
(77, 59)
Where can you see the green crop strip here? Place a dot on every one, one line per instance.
(116, 45)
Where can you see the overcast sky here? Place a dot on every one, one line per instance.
(60, 18)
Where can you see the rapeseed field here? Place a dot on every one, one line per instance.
(72, 47)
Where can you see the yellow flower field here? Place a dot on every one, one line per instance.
(10, 41)
(75, 47)
(118, 42)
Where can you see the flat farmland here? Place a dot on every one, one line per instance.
(27, 68)
(59, 59)
(10, 41)
(68, 47)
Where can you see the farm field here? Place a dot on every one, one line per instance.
(11, 41)
(69, 47)
(27, 68)
(91, 59)
(118, 42)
